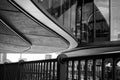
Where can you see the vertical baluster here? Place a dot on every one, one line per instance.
(44, 71)
(50, 71)
(36, 70)
(76, 70)
(4, 72)
(42, 65)
(47, 70)
(41, 70)
(72, 70)
(85, 77)
(103, 68)
(94, 71)
(28, 66)
(23, 72)
(31, 70)
(21, 68)
(79, 72)
(53, 70)
(23, 75)
(113, 69)
(26, 70)
(67, 70)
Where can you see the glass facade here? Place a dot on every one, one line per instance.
(89, 21)
(93, 23)
(115, 20)
(64, 11)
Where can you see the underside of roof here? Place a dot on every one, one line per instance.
(26, 28)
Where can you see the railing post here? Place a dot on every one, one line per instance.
(20, 67)
(62, 67)
(3, 72)
(18, 71)
(4, 77)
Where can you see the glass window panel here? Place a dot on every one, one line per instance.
(103, 7)
(101, 20)
(115, 20)
(84, 10)
(92, 21)
(64, 11)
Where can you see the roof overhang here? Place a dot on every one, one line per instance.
(40, 16)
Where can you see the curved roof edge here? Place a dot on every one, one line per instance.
(41, 16)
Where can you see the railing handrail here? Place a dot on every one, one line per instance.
(94, 49)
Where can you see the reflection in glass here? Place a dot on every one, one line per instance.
(88, 20)
(117, 72)
(93, 21)
(101, 15)
(103, 6)
(82, 69)
(90, 70)
(63, 11)
(70, 70)
(108, 69)
(75, 70)
(98, 69)
(115, 20)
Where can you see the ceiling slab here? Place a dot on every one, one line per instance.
(40, 15)
(25, 34)
(10, 40)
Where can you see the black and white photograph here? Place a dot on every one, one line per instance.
(59, 39)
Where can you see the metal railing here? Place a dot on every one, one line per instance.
(92, 67)
(34, 70)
